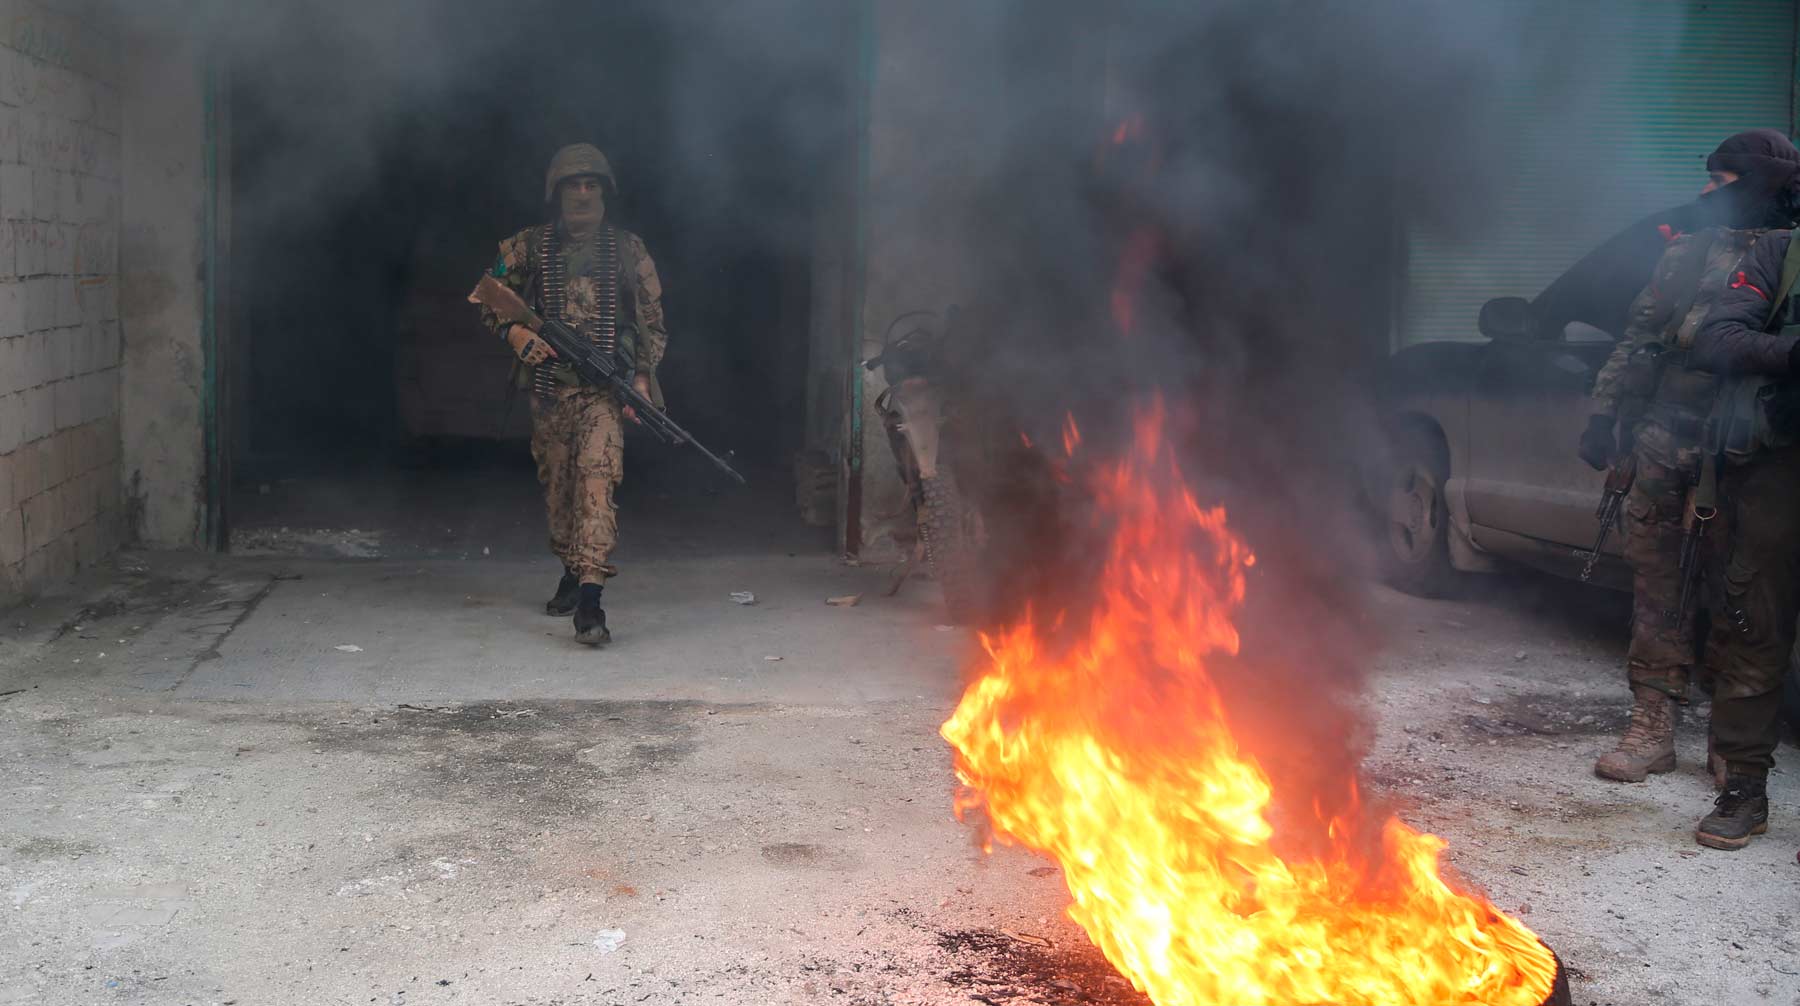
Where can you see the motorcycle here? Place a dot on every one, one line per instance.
(924, 432)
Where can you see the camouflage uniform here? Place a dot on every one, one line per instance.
(1665, 412)
(1661, 653)
(577, 430)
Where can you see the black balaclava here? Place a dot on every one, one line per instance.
(1599, 289)
(1767, 192)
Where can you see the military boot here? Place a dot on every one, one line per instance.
(590, 618)
(1649, 742)
(566, 590)
(1741, 811)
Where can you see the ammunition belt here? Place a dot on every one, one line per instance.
(602, 328)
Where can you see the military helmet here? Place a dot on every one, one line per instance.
(577, 159)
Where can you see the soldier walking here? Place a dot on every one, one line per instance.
(1651, 407)
(581, 269)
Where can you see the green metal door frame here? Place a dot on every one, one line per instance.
(850, 525)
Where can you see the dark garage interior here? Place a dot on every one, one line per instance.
(369, 189)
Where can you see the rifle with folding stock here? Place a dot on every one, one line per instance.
(1618, 483)
(591, 363)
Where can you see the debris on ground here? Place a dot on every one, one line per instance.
(609, 940)
(743, 597)
(348, 648)
(322, 543)
(846, 601)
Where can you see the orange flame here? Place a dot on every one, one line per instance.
(1131, 127)
(1071, 434)
(1136, 263)
(1114, 756)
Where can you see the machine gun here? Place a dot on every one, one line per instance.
(592, 364)
(1618, 482)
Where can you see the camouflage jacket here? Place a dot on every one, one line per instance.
(643, 337)
(1694, 273)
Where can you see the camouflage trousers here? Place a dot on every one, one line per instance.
(578, 441)
(1754, 573)
(1662, 640)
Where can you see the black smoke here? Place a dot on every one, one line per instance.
(1259, 166)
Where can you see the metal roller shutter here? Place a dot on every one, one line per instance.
(1618, 137)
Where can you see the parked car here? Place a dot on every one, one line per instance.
(1481, 464)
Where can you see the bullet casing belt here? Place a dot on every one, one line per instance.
(602, 329)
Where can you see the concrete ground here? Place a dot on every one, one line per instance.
(296, 777)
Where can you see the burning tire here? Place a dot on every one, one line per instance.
(951, 533)
(1416, 556)
(1559, 992)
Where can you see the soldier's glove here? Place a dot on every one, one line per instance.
(1598, 444)
(527, 346)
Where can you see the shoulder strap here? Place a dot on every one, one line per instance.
(1683, 283)
(1790, 272)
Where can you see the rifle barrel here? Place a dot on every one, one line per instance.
(599, 370)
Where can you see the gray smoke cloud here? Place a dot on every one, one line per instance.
(1277, 158)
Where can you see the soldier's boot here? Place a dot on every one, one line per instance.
(1741, 811)
(567, 590)
(590, 618)
(1649, 742)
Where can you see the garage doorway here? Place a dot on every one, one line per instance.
(376, 159)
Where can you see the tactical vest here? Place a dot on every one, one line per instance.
(1757, 413)
(603, 327)
(1732, 418)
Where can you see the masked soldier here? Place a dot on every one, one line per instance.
(1722, 417)
(1659, 405)
(598, 279)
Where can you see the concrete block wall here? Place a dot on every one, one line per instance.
(61, 506)
(162, 269)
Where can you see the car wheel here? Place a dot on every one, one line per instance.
(1417, 549)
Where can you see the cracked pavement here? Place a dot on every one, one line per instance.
(208, 801)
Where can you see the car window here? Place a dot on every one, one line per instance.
(1580, 331)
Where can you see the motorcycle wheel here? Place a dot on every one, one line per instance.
(951, 545)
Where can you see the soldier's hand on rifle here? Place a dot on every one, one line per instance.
(1598, 443)
(641, 383)
(527, 346)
